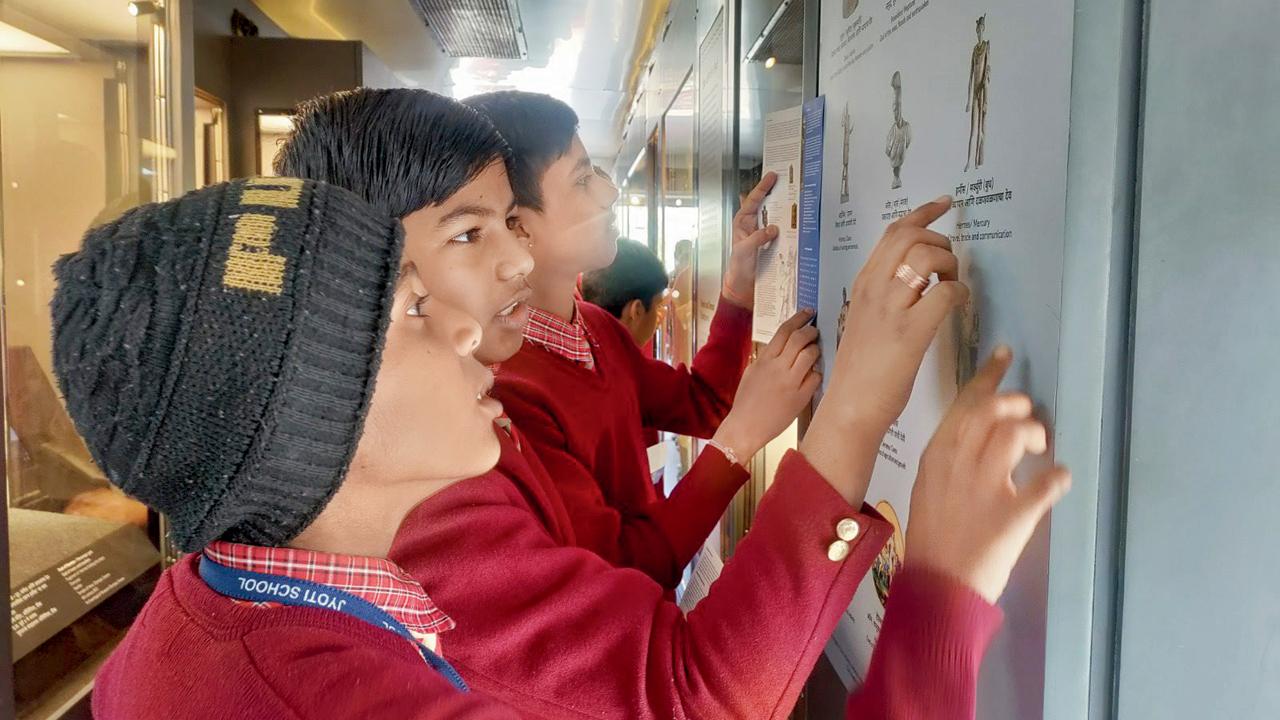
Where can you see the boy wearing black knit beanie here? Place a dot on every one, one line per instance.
(242, 359)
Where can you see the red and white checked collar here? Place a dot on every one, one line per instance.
(376, 580)
(566, 339)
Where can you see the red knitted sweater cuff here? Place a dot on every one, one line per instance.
(926, 661)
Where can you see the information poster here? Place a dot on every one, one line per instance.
(776, 269)
(971, 99)
(711, 150)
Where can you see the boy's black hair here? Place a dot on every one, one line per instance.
(636, 274)
(400, 149)
(539, 129)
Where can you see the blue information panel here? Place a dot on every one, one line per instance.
(810, 204)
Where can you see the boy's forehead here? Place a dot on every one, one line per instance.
(488, 193)
(575, 159)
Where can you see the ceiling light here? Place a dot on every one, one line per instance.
(770, 62)
(20, 42)
(141, 8)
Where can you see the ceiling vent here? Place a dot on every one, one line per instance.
(475, 28)
(782, 37)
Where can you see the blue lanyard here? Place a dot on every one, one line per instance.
(261, 587)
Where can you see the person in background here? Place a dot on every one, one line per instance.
(681, 317)
(633, 289)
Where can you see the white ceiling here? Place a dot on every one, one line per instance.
(585, 52)
(92, 20)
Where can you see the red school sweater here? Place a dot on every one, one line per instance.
(556, 631)
(586, 426)
(196, 655)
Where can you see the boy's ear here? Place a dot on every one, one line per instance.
(632, 311)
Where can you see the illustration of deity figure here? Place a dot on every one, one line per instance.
(967, 343)
(844, 313)
(846, 125)
(969, 331)
(889, 562)
(787, 284)
(976, 102)
(899, 139)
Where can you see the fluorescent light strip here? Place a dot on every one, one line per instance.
(14, 41)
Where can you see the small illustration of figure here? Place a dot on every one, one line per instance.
(967, 343)
(787, 283)
(889, 562)
(846, 124)
(791, 174)
(899, 139)
(850, 7)
(795, 216)
(976, 102)
(844, 313)
(969, 331)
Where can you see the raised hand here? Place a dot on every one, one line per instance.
(891, 321)
(890, 325)
(748, 238)
(774, 389)
(968, 519)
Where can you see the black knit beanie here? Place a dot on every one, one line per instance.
(218, 352)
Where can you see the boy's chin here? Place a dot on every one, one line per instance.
(606, 252)
(500, 344)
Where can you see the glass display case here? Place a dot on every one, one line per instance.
(85, 134)
(677, 242)
(771, 72)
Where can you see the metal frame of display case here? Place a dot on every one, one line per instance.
(6, 645)
(105, 614)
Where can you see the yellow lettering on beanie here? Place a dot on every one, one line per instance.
(281, 192)
(250, 264)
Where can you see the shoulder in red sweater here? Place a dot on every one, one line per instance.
(556, 631)
(196, 655)
(586, 427)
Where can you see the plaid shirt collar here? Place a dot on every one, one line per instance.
(566, 339)
(376, 580)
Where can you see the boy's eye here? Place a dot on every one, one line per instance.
(418, 308)
(584, 180)
(469, 236)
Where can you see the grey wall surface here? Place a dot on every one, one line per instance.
(1200, 626)
(1089, 436)
(211, 37)
(277, 74)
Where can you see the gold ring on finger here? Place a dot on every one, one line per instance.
(911, 278)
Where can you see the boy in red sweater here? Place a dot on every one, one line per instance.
(349, 139)
(555, 631)
(632, 288)
(248, 360)
(582, 392)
